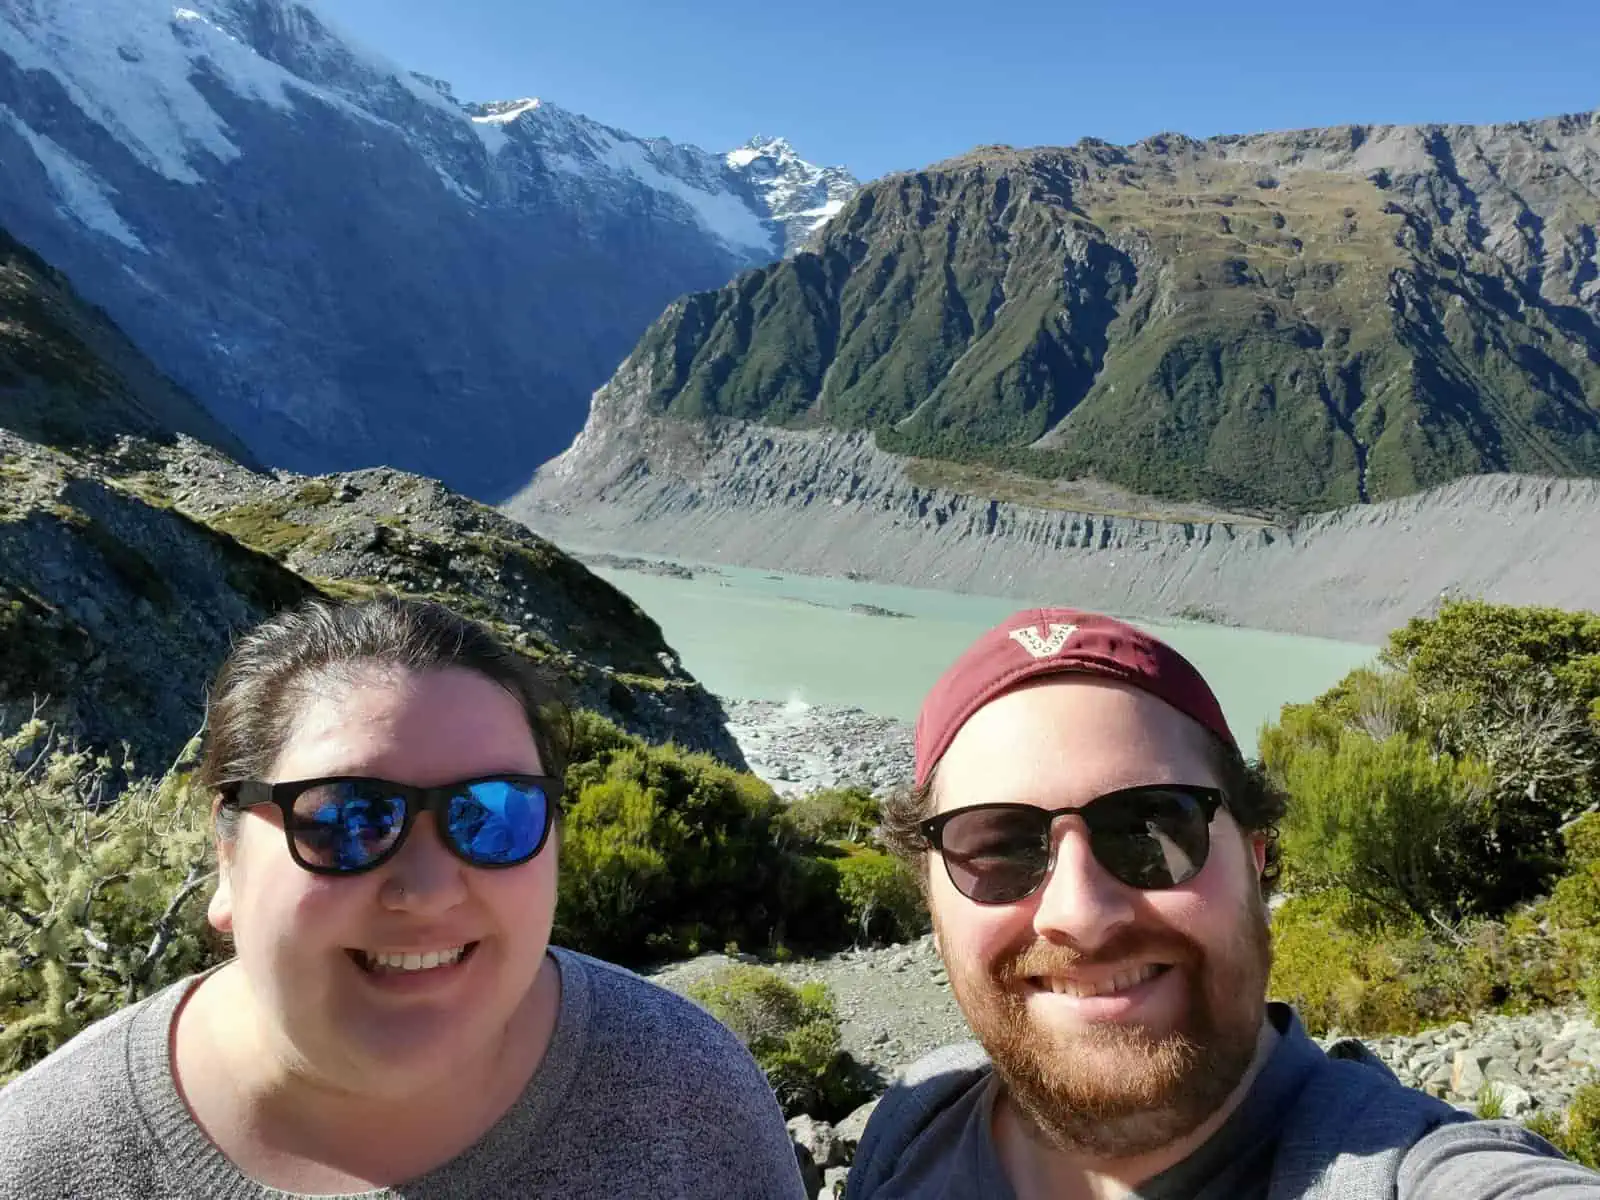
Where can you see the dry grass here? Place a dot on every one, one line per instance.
(1089, 496)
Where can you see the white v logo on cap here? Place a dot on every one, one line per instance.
(1043, 647)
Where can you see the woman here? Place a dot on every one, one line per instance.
(385, 783)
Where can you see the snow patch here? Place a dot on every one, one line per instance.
(491, 125)
(506, 115)
(491, 135)
(742, 157)
(721, 213)
(83, 197)
(129, 65)
(822, 215)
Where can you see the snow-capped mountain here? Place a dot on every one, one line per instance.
(345, 262)
(798, 195)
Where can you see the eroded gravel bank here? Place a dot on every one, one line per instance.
(833, 504)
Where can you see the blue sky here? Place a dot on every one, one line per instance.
(882, 85)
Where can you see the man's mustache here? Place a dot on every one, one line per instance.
(1042, 959)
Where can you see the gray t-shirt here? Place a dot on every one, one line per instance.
(1311, 1126)
(640, 1094)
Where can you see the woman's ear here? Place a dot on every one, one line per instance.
(219, 912)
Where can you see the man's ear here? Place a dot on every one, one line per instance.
(1258, 849)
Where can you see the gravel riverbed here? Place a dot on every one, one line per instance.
(798, 748)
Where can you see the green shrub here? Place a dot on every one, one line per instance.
(1439, 784)
(833, 815)
(665, 851)
(1347, 964)
(882, 896)
(1582, 839)
(1516, 688)
(1386, 819)
(1577, 1134)
(100, 904)
(792, 1033)
(1583, 1126)
(1342, 966)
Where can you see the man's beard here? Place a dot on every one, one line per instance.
(1113, 1090)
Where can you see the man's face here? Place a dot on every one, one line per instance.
(1119, 1019)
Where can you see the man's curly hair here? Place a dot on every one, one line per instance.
(1255, 802)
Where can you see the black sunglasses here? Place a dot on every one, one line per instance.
(1150, 837)
(348, 824)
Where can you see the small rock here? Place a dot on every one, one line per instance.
(1467, 1072)
(1515, 1102)
(849, 1130)
(819, 1140)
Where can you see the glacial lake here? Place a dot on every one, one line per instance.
(756, 635)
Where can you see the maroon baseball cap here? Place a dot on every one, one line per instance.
(1052, 641)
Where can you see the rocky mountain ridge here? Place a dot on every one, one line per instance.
(131, 555)
(345, 264)
(832, 503)
(1280, 322)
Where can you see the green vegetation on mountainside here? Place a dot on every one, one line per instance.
(1176, 318)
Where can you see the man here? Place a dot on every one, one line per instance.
(1097, 856)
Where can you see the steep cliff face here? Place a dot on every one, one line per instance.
(341, 261)
(832, 503)
(1284, 323)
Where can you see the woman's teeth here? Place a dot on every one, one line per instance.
(1120, 982)
(412, 962)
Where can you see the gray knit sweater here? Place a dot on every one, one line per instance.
(640, 1094)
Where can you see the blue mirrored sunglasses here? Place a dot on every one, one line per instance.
(348, 824)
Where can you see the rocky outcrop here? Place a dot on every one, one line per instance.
(832, 503)
(69, 378)
(352, 534)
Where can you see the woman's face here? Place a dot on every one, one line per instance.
(307, 943)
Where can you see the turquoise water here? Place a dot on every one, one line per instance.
(751, 634)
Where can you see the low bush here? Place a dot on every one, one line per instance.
(1577, 1133)
(1389, 820)
(1342, 964)
(666, 852)
(100, 904)
(882, 896)
(793, 1033)
(1439, 784)
(833, 815)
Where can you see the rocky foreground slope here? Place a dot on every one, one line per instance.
(833, 504)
